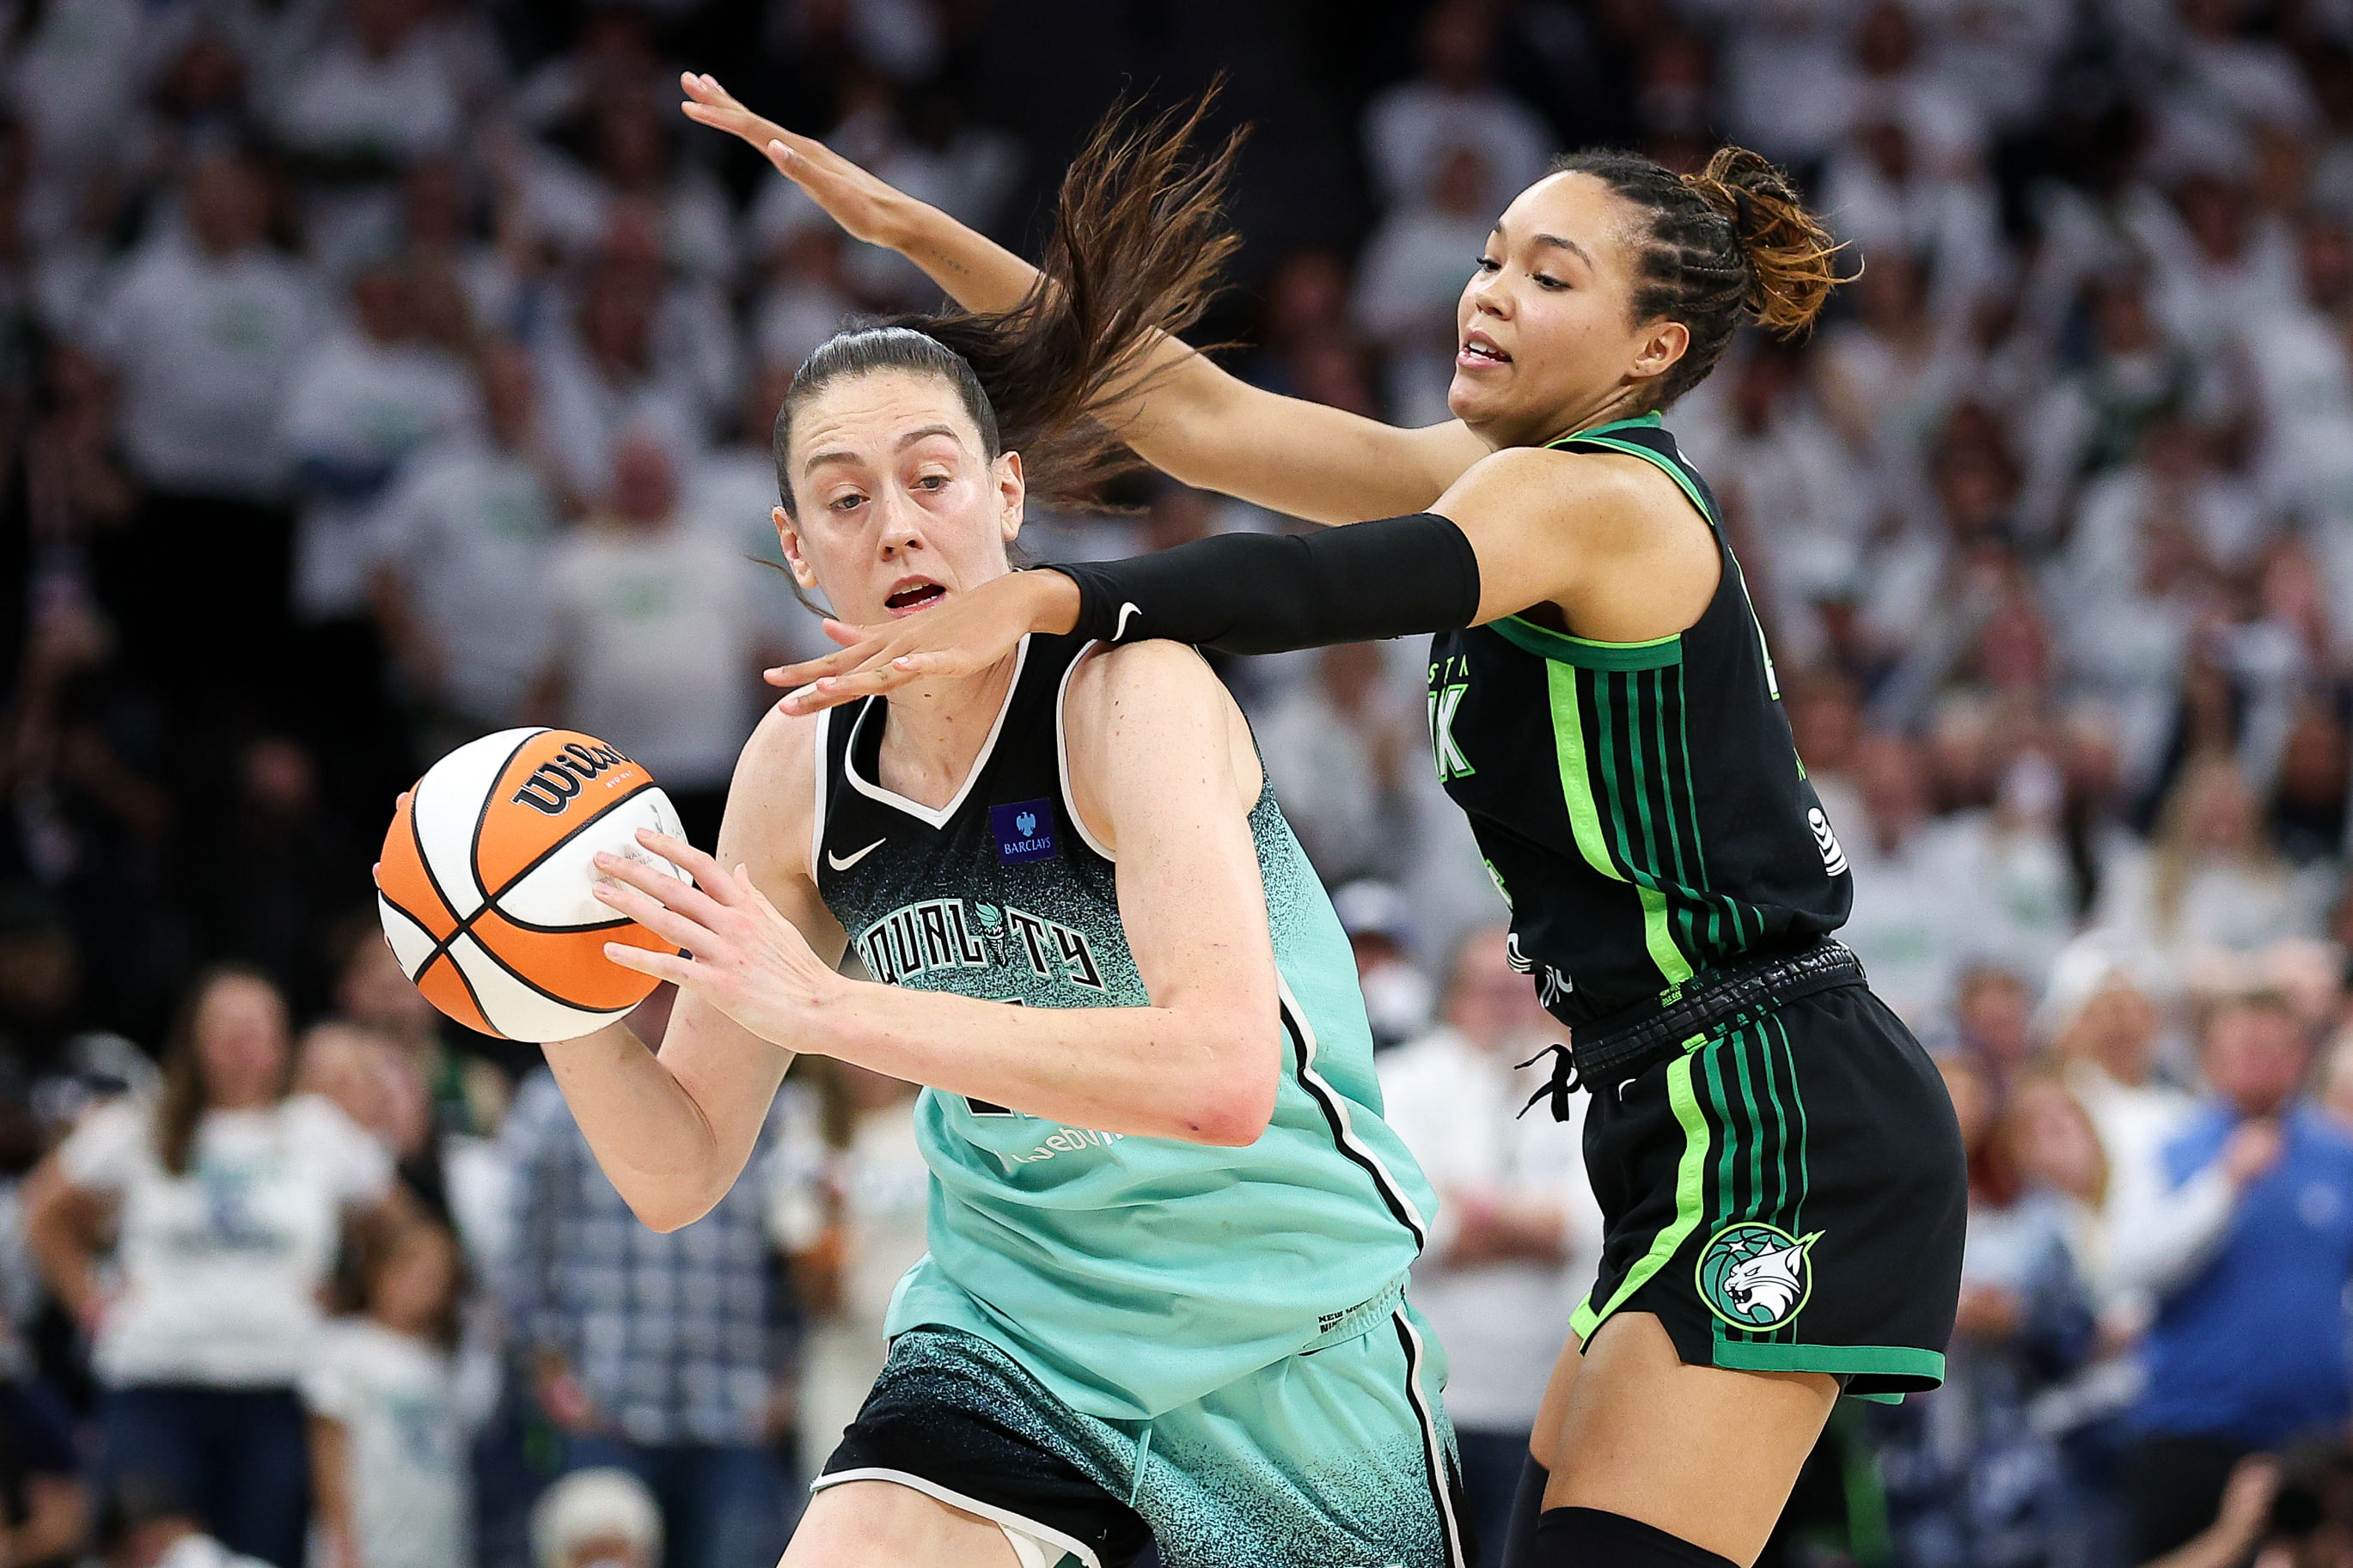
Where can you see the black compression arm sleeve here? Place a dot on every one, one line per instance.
(1271, 592)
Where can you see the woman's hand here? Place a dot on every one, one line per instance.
(746, 959)
(864, 206)
(962, 637)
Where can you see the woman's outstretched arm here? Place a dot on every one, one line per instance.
(1192, 420)
(1606, 538)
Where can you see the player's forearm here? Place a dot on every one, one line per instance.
(650, 1136)
(1203, 1074)
(971, 268)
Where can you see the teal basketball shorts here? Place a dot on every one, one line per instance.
(1787, 1196)
(1337, 1458)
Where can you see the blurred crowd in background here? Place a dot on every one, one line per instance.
(376, 374)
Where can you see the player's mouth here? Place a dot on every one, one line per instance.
(1479, 349)
(910, 595)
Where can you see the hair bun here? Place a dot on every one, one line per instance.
(1787, 252)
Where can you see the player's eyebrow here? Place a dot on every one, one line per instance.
(1551, 239)
(818, 459)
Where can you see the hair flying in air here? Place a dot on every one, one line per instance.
(1139, 239)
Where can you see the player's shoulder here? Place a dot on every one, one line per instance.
(773, 793)
(1153, 668)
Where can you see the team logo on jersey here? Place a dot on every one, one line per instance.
(1023, 830)
(1826, 841)
(1755, 1276)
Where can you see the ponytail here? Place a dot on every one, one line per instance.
(1139, 239)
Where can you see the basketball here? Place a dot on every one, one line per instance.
(486, 887)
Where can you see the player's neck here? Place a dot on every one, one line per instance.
(936, 730)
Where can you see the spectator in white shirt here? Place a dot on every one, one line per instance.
(2212, 878)
(1412, 128)
(1412, 275)
(227, 1196)
(1518, 1234)
(206, 332)
(462, 550)
(1911, 924)
(1336, 747)
(655, 648)
(361, 402)
(387, 1441)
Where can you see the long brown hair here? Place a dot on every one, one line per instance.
(182, 1104)
(1139, 238)
(1731, 244)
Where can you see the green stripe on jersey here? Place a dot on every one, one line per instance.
(1585, 820)
(1691, 1196)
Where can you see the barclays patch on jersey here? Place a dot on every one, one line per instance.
(1024, 831)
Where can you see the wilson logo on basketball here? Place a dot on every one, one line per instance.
(551, 785)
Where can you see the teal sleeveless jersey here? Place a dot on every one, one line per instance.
(1130, 1275)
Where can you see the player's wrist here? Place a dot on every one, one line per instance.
(1053, 601)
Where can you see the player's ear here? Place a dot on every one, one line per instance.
(789, 538)
(1660, 344)
(1012, 488)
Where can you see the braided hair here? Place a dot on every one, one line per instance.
(1729, 245)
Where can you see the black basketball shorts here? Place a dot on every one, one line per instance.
(1788, 1195)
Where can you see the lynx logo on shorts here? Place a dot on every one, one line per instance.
(1755, 1276)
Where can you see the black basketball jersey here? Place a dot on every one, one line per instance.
(1641, 806)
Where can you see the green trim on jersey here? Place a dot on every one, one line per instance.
(1584, 652)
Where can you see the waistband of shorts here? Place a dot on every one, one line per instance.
(1629, 1042)
(1339, 1328)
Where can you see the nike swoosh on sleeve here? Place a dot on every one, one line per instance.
(1119, 627)
(841, 863)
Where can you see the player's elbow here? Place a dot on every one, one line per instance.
(1232, 1109)
(669, 1211)
(1235, 1121)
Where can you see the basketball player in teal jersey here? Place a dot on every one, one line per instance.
(1168, 1227)
(1778, 1164)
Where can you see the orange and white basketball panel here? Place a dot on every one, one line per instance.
(448, 804)
(412, 944)
(572, 964)
(511, 1008)
(442, 985)
(547, 789)
(561, 889)
(401, 878)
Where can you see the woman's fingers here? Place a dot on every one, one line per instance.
(686, 857)
(666, 923)
(838, 663)
(660, 965)
(663, 889)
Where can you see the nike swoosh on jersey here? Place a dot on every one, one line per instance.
(1120, 626)
(841, 863)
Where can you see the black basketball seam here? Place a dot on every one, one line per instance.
(483, 816)
(489, 900)
(465, 980)
(410, 916)
(527, 981)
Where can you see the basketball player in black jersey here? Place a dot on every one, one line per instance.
(1776, 1160)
